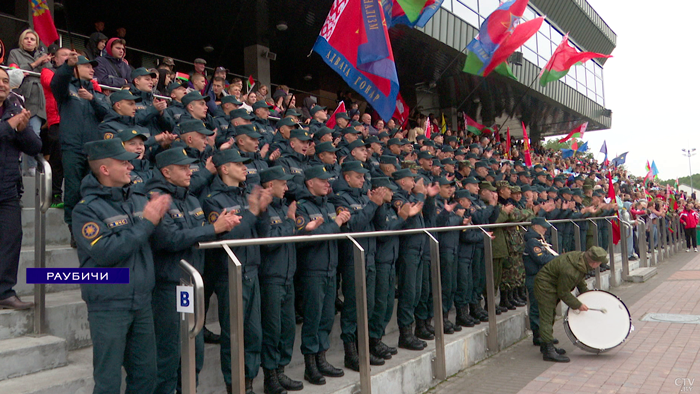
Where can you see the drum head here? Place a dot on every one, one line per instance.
(598, 331)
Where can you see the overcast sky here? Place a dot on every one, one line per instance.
(651, 85)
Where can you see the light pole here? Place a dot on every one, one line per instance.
(690, 152)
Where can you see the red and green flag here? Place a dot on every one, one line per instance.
(563, 58)
(250, 83)
(575, 133)
(183, 76)
(473, 126)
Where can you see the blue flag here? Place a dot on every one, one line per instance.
(620, 160)
(566, 153)
(583, 147)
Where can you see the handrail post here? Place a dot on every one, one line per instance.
(577, 236)
(492, 336)
(624, 250)
(190, 325)
(595, 243)
(554, 232)
(611, 253)
(42, 202)
(652, 244)
(663, 254)
(440, 368)
(362, 319)
(235, 296)
(642, 243)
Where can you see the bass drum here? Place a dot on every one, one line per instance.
(595, 331)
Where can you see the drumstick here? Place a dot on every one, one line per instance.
(603, 310)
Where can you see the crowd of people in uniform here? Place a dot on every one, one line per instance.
(146, 180)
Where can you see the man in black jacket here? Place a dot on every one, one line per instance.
(16, 136)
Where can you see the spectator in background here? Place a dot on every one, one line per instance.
(167, 63)
(689, 217)
(199, 68)
(235, 88)
(96, 46)
(249, 101)
(111, 69)
(198, 82)
(367, 123)
(262, 93)
(51, 147)
(31, 56)
(164, 80)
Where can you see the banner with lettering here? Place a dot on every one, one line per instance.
(354, 42)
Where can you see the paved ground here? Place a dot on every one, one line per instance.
(656, 358)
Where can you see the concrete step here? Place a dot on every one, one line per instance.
(26, 355)
(641, 275)
(74, 378)
(66, 317)
(57, 232)
(57, 256)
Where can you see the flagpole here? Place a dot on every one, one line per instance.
(512, 112)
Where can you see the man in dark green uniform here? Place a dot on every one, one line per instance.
(227, 193)
(317, 263)
(554, 283)
(174, 240)
(277, 280)
(537, 253)
(120, 315)
(348, 196)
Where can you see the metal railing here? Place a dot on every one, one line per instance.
(439, 362)
(42, 203)
(190, 325)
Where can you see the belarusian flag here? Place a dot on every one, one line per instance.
(575, 133)
(250, 83)
(427, 127)
(563, 58)
(676, 185)
(472, 126)
(183, 76)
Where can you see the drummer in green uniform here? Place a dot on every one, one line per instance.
(554, 283)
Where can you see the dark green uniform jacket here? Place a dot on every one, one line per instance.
(280, 262)
(560, 276)
(79, 118)
(172, 115)
(386, 219)
(147, 115)
(182, 227)
(316, 258)
(201, 177)
(235, 199)
(362, 212)
(449, 240)
(294, 163)
(110, 232)
(412, 241)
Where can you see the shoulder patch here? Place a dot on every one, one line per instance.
(537, 249)
(90, 230)
(109, 136)
(398, 204)
(213, 216)
(299, 222)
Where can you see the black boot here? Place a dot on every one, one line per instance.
(523, 293)
(536, 340)
(271, 383)
(287, 383)
(391, 350)
(447, 326)
(352, 360)
(512, 297)
(422, 332)
(249, 386)
(504, 301)
(325, 368)
(210, 337)
(549, 353)
(407, 340)
(311, 372)
(338, 304)
(72, 239)
(378, 350)
(478, 313)
(429, 326)
(463, 317)
(374, 360)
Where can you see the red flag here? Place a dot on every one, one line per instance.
(574, 145)
(427, 127)
(508, 143)
(526, 147)
(43, 22)
(330, 123)
(613, 199)
(402, 111)
(520, 35)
